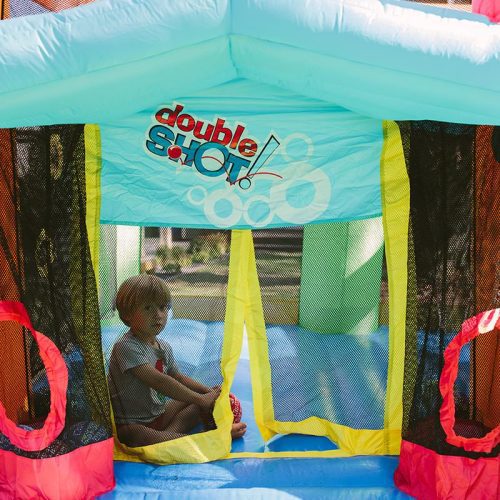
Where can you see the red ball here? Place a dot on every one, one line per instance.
(174, 152)
(236, 408)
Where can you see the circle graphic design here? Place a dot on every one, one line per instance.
(229, 219)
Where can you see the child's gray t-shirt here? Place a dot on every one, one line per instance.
(132, 400)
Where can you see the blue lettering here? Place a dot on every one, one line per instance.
(202, 152)
(160, 139)
(189, 151)
(234, 164)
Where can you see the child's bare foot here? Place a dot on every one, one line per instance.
(208, 420)
(238, 430)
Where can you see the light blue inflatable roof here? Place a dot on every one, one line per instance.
(382, 59)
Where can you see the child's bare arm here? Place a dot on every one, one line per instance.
(172, 388)
(193, 384)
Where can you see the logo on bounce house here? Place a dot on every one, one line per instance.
(213, 148)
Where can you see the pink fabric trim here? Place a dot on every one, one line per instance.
(426, 475)
(488, 8)
(57, 376)
(79, 475)
(481, 323)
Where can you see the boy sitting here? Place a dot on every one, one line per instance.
(152, 400)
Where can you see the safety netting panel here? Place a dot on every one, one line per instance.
(193, 265)
(452, 276)
(325, 303)
(46, 265)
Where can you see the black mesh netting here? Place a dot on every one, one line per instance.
(194, 263)
(454, 234)
(45, 263)
(324, 295)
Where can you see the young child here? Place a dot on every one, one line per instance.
(152, 400)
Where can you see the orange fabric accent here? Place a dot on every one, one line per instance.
(4, 5)
(487, 370)
(473, 327)
(82, 474)
(57, 376)
(13, 388)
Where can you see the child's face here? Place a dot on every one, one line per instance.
(149, 319)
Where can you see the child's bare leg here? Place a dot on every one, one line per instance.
(172, 409)
(207, 419)
(135, 435)
(185, 420)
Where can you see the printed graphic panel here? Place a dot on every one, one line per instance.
(238, 156)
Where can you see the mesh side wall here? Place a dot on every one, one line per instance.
(53, 251)
(336, 375)
(13, 370)
(441, 161)
(55, 281)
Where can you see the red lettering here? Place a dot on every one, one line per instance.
(185, 122)
(172, 115)
(236, 137)
(203, 135)
(219, 129)
(247, 147)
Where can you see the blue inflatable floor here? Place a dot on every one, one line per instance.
(357, 477)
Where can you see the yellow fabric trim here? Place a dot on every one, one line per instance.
(93, 164)
(216, 444)
(260, 367)
(350, 441)
(395, 187)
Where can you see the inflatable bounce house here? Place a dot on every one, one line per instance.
(316, 183)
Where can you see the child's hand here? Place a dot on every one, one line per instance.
(207, 401)
(217, 389)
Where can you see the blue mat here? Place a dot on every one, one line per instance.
(338, 478)
(197, 346)
(329, 363)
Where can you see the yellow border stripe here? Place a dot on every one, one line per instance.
(260, 366)
(396, 211)
(93, 163)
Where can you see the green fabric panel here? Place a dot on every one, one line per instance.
(341, 275)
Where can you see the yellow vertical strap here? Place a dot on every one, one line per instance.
(93, 164)
(396, 212)
(233, 323)
(260, 366)
(216, 444)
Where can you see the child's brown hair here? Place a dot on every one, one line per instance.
(138, 290)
